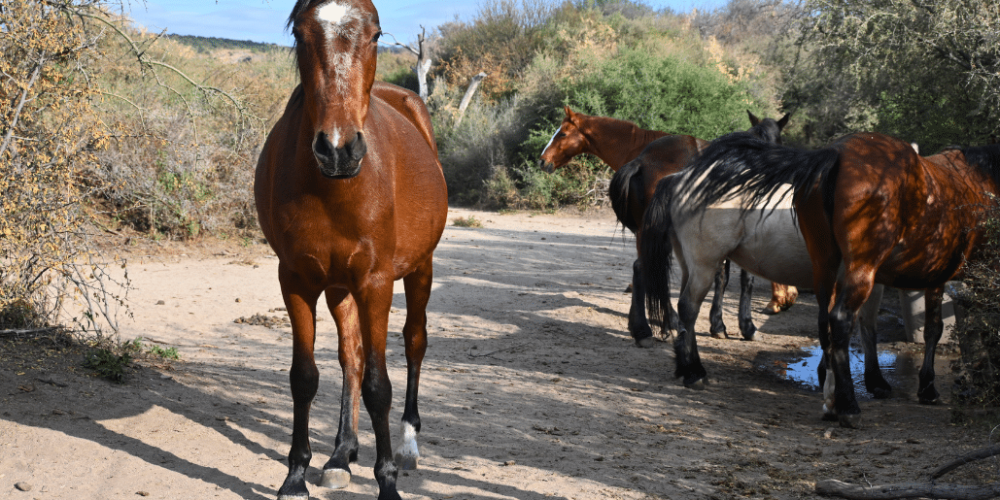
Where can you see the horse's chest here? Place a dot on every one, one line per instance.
(333, 244)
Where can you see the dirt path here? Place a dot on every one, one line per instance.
(532, 389)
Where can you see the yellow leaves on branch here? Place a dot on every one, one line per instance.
(47, 127)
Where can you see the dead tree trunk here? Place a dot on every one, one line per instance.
(469, 92)
(423, 62)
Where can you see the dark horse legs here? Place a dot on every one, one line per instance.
(304, 378)
(362, 336)
(638, 325)
(933, 328)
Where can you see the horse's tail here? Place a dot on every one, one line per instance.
(656, 249)
(618, 191)
(739, 164)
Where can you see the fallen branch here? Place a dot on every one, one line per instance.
(833, 487)
(33, 332)
(964, 459)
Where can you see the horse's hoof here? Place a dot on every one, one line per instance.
(751, 337)
(335, 478)
(772, 308)
(828, 415)
(882, 392)
(929, 397)
(388, 495)
(628, 289)
(720, 335)
(293, 497)
(850, 421)
(645, 342)
(405, 461)
(696, 384)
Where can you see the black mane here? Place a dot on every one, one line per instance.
(986, 158)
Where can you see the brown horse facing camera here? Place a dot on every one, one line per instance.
(351, 197)
(621, 142)
(871, 211)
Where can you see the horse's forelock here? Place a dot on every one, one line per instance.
(300, 6)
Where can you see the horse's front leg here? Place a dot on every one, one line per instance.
(304, 377)
(717, 328)
(418, 292)
(874, 381)
(374, 298)
(747, 328)
(638, 325)
(933, 329)
(337, 471)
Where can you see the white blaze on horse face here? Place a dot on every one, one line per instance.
(553, 139)
(340, 21)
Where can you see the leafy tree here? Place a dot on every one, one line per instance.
(922, 70)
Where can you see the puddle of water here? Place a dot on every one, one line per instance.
(899, 369)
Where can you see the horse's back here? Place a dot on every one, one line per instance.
(666, 156)
(409, 105)
(910, 206)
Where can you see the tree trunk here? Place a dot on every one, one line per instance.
(471, 91)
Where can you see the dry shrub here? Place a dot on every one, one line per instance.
(185, 166)
(50, 135)
(979, 332)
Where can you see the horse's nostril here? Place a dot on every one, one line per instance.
(322, 147)
(357, 147)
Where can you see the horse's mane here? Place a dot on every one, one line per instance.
(760, 170)
(300, 5)
(986, 158)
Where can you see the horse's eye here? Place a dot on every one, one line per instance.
(376, 37)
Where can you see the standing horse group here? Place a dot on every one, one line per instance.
(351, 196)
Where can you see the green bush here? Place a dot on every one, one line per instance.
(662, 93)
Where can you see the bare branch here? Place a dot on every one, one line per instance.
(20, 105)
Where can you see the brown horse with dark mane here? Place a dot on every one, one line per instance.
(351, 197)
(651, 155)
(871, 211)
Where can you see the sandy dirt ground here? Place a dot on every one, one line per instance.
(532, 388)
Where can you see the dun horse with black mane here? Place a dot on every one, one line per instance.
(351, 197)
(640, 158)
(871, 211)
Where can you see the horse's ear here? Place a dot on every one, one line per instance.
(784, 121)
(753, 119)
(569, 112)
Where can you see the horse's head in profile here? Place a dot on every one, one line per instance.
(567, 142)
(336, 46)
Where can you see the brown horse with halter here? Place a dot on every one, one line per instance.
(871, 211)
(351, 197)
(651, 156)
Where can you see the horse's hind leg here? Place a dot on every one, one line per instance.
(717, 327)
(304, 378)
(693, 292)
(418, 292)
(337, 471)
(933, 328)
(874, 381)
(747, 328)
(638, 325)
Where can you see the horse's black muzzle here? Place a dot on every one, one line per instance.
(339, 163)
(546, 166)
